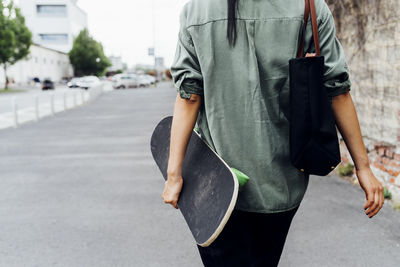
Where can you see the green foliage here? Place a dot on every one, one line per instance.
(6, 91)
(345, 169)
(87, 56)
(15, 37)
(386, 193)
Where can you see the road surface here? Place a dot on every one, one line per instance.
(81, 189)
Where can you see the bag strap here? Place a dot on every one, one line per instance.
(315, 27)
(303, 31)
(310, 8)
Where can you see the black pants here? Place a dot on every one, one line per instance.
(249, 240)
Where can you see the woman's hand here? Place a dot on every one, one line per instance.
(373, 191)
(183, 122)
(349, 127)
(172, 189)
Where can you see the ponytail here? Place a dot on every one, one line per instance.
(232, 31)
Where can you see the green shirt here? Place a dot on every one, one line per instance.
(245, 111)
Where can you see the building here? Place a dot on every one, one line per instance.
(54, 23)
(41, 63)
(116, 64)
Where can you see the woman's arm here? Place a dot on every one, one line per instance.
(348, 125)
(184, 119)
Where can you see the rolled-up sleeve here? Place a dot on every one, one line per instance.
(185, 69)
(336, 72)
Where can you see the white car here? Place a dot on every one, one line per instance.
(88, 82)
(122, 81)
(151, 78)
(144, 81)
(74, 83)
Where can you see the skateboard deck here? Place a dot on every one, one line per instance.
(210, 187)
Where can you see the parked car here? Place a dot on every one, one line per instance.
(74, 83)
(88, 82)
(144, 81)
(122, 81)
(151, 78)
(48, 84)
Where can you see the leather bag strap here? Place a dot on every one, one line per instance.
(310, 8)
(303, 31)
(315, 27)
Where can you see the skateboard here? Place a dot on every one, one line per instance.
(210, 186)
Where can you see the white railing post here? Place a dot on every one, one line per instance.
(65, 100)
(36, 107)
(82, 98)
(74, 98)
(15, 111)
(52, 104)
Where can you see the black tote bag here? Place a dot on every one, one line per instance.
(314, 146)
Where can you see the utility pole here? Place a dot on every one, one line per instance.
(154, 37)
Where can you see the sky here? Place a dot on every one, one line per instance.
(125, 27)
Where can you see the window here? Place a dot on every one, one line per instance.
(52, 10)
(54, 38)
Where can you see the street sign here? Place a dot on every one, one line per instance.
(151, 51)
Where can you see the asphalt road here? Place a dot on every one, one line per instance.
(81, 189)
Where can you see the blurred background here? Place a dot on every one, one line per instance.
(122, 37)
(79, 186)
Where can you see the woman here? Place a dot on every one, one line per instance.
(231, 74)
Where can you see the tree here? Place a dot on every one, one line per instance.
(15, 37)
(87, 56)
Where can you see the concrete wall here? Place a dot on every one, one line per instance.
(369, 31)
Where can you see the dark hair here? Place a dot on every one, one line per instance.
(232, 31)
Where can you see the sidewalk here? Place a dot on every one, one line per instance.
(32, 105)
(81, 189)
